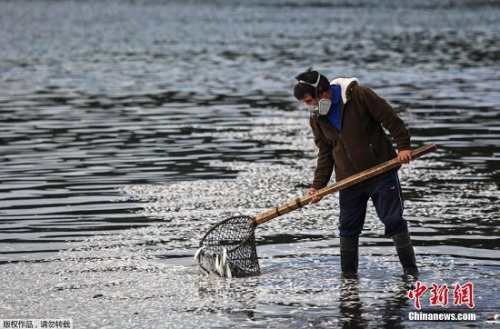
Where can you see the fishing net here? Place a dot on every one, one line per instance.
(229, 249)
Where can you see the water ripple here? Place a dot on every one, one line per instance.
(129, 128)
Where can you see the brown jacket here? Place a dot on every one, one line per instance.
(361, 142)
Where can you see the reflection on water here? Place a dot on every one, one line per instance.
(102, 284)
(129, 128)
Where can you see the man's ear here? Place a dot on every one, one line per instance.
(323, 93)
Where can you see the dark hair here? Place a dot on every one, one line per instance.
(310, 76)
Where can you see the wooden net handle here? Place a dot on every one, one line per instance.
(354, 179)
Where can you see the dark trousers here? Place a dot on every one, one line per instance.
(387, 198)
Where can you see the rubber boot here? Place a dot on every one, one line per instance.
(406, 255)
(349, 257)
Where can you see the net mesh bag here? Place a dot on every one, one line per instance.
(229, 248)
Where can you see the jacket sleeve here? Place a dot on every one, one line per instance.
(325, 161)
(383, 113)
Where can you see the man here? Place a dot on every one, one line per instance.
(347, 122)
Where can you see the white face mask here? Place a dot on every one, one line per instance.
(313, 109)
(322, 108)
(324, 104)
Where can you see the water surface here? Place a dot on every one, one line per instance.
(129, 128)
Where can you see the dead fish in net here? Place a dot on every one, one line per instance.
(229, 249)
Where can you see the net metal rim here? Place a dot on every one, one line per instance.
(229, 248)
(242, 242)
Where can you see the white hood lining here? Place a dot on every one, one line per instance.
(344, 83)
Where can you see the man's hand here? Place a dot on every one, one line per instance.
(404, 156)
(312, 191)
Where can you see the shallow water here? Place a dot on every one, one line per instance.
(129, 128)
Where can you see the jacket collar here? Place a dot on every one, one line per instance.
(346, 85)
